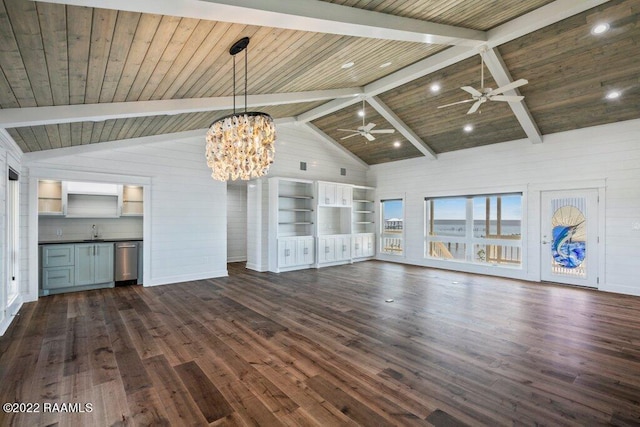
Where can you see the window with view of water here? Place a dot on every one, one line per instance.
(392, 241)
(478, 229)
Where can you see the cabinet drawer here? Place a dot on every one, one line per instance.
(57, 255)
(57, 277)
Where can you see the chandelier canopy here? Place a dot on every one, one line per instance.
(240, 145)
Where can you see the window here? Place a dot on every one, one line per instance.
(392, 241)
(482, 229)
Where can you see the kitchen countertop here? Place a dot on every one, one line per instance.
(62, 242)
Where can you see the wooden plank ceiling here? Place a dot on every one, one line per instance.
(61, 55)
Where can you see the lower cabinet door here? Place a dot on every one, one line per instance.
(356, 246)
(286, 252)
(306, 252)
(84, 264)
(343, 248)
(327, 249)
(57, 277)
(103, 260)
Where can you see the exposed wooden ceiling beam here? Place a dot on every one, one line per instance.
(303, 15)
(397, 123)
(501, 75)
(34, 116)
(532, 21)
(323, 136)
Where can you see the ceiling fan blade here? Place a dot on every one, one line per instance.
(349, 136)
(474, 107)
(509, 86)
(369, 136)
(456, 103)
(348, 130)
(383, 131)
(368, 127)
(472, 91)
(506, 98)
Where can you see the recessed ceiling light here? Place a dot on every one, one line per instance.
(435, 87)
(600, 28)
(468, 128)
(347, 65)
(613, 94)
(360, 113)
(397, 144)
(386, 64)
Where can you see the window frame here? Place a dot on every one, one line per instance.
(469, 239)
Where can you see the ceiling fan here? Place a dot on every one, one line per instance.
(365, 130)
(485, 94)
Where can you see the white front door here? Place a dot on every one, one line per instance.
(569, 237)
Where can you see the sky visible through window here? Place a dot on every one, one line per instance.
(392, 209)
(455, 207)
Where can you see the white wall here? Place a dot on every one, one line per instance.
(10, 156)
(295, 144)
(236, 222)
(605, 156)
(185, 209)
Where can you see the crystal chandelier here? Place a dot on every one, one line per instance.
(241, 145)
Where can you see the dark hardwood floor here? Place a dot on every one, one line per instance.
(322, 347)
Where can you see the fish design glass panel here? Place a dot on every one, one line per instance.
(569, 245)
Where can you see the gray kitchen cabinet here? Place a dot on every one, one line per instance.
(93, 263)
(57, 266)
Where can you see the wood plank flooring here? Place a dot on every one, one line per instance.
(322, 347)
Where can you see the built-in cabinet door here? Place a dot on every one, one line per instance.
(357, 246)
(332, 194)
(327, 193)
(327, 248)
(368, 245)
(286, 252)
(345, 195)
(94, 263)
(84, 264)
(103, 260)
(306, 251)
(343, 247)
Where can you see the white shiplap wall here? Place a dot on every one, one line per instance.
(606, 156)
(236, 222)
(10, 156)
(185, 212)
(295, 144)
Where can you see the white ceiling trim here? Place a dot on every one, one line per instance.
(302, 15)
(326, 138)
(501, 75)
(35, 116)
(397, 123)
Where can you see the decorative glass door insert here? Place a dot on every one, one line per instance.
(569, 237)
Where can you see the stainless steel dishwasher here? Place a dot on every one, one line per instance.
(126, 265)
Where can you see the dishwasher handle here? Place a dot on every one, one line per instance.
(125, 246)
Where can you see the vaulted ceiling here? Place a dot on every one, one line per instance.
(75, 73)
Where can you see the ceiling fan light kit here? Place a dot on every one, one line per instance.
(365, 130)
(484, 94)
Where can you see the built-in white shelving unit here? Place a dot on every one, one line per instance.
(363, 223)
(319, 224)
(291, 224)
